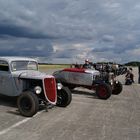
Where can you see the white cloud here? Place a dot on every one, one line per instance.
(134, 52)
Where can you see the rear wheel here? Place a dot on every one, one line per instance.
(117, 88)
(103, 91)
(64, 97)
(28, 104)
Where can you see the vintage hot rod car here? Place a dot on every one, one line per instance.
(19, 77)
(76, 77)
(104, 84)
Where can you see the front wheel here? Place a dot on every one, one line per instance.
(117, 88)
(103, 91)
(64, 97)
(28, 104)
(71, 87)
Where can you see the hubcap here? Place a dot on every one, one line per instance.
(102, 92)
(26, 104)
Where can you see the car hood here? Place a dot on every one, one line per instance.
(77, 70)
(94, 72)
(31, 74)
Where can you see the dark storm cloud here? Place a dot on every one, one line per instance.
(17, 32)
(25, 47)
(21, 31)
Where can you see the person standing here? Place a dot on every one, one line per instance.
(87, 64)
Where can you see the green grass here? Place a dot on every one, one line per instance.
(53, 66)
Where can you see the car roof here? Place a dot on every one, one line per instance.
(11, 58)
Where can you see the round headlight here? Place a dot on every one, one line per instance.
(111, 82)
(37, 89)
(59, 86)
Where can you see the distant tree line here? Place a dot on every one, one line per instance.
(133, 63)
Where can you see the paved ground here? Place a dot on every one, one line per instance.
(86, 118)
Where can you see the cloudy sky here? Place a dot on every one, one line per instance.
(70, 31)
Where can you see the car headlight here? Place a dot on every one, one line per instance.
(59, 86)
(37, 89)
(111, 82)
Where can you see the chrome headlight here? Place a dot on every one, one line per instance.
(111, 82)
(59, 86)
(37, 89)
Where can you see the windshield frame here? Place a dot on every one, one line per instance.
(21, 61)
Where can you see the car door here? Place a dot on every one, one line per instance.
(80, 78)
(7, 85)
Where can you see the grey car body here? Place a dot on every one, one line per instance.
(11, 79)
(81, 77)
(19, 77)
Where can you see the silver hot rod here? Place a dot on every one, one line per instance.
(19, 77)
(103, 84)
(75, 77)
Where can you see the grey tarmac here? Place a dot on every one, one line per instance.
(86, 118)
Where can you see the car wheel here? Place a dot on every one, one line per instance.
(117, 88)
(71, 88)
(64, 97)
(28, 104)
(103, 91)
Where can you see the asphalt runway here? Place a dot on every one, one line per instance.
(86, 118)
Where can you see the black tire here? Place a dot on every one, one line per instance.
(64, 97)
(128, 82)
(71, 88)
(103, 91)
(28, 104)
(117, 88)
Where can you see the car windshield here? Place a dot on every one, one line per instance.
(24, 65)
